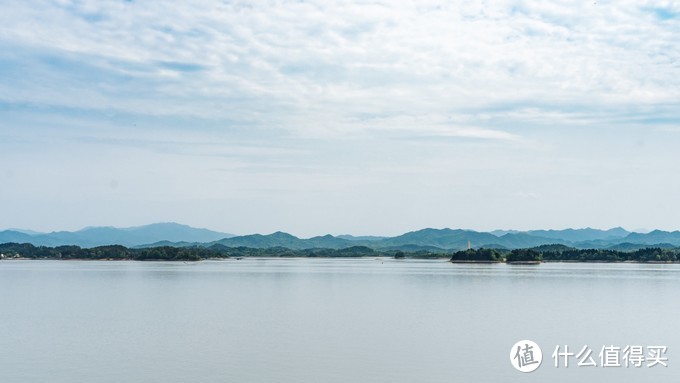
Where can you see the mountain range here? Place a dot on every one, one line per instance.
(99, 236)
(173, 234)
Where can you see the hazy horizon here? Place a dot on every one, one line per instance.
(340, 117)
(32, 231)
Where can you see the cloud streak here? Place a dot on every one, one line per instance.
(275, 64)
(378, 105)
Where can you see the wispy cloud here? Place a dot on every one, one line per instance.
(457, 97)
(324, 62)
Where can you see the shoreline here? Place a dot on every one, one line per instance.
(443, 259)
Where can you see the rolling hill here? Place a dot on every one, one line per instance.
(430, 239)
(132, 236)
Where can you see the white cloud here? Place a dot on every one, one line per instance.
(453, 104)
(279, 63)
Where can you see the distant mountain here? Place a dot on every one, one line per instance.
(525, 240)
(132, 236)
(263, 241)
(360, 238)
(281, 239)
(25, 231)
(581, 235)
(177, 232)
(429, 239)
(431, 249)
(458, 239)
(14, 236)
(656, 236)
(330, 242)
(511, 239)
(499, 233)
(170, 244)
(441, 238)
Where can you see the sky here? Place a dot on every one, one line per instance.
(316, 117)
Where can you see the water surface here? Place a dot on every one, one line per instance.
(325, 320)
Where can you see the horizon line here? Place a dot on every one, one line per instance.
(234, 234)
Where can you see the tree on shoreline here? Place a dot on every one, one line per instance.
(477, 255)
(524, 255)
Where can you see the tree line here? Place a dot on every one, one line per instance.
(559, 253)
(196, 253)
(169, 253)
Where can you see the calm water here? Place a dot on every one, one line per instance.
(323, 320)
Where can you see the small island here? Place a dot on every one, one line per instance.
(477, 256)
(561, 253)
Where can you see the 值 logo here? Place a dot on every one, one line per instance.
(525, 356)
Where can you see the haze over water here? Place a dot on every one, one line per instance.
(325, 320)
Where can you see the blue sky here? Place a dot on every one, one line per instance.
(340, 117)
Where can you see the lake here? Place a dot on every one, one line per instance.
(327, 320)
